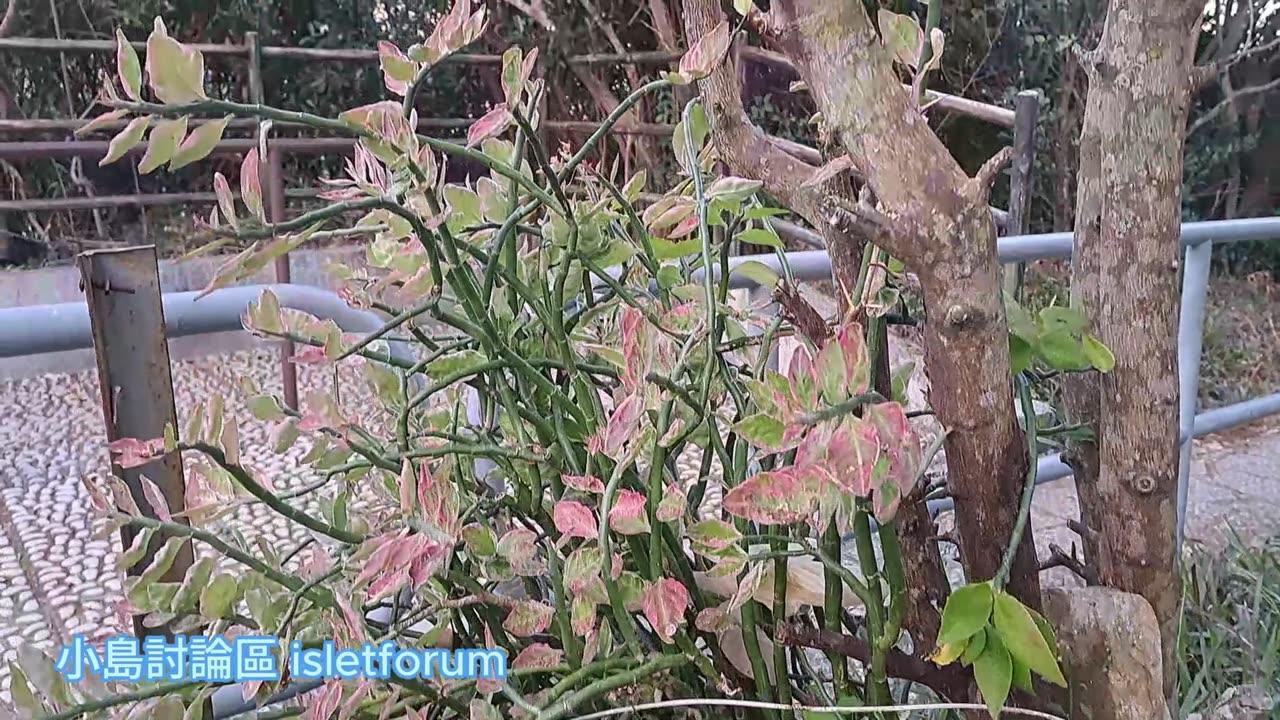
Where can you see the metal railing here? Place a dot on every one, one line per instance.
(251, 52)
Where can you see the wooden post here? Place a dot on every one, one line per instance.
(275, 211)
(122, 288)
(1026, 113)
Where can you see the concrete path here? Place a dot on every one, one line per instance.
(58, 579)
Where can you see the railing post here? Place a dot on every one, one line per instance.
(1195, 286)
(275, 210)
(1026, 112)
(126, 316)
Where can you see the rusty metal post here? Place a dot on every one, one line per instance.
(126, 315)
(275, 211)
(1026, 111)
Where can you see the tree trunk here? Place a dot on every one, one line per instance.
(1124, 276)
(938, 223)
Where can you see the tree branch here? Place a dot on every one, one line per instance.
(945, 680)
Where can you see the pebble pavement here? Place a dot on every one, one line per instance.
(58, 577)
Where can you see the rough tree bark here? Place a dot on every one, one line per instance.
(1124, 276)
(935, 219)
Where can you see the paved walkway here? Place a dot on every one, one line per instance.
(58, 579)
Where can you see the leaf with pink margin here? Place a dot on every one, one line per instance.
(898, 443)
(325, 703)
(128, 67)
(528, 617)
(664, 604)
(857, 362)
(155, 498)
(582, 568)
(397, 69)
(713, 534)
(309, 355)
(226, 201)
(407, 486)
(538, 656)
(125, 140)
(132, 452)
(706, 53)
(773, 497)
(491, 124)
(518, 548)
(627, 516)
(100, 122)
(387, 584)
(199, 143)
(852, 453)
(803, 376)
(251, 185)
(176, 72)
(584, 483)
(765, 432)
(672, 505)
(573, 519)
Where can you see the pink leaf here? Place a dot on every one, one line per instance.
(712, 620)
(537, 656)
(851, 456)
(573, 519)
(387, 584)
(627, 517)
(857, 364)
(407, 485)
(585, 483)
(683, 228)
(251, 185)
(622, 425)
(324, 704)
(528, 618)
(706, 53)
(310, 355)
(132, 452)
(518, 549)
(773, 498)
(491, 124)
(155, 497)
(664, 604)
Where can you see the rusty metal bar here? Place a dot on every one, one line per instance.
(1022, 173)
(49, 125)
(126, 315)
(644, 57)
(275, 209)
(109, 201)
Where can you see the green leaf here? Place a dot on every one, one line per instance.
(1020, 321)
(742, 7)
(1061, 351)
(977, 644)
(669, 276)
(966, 613)
(266, 407)
(464, 206)
(1099, 355)
(1020, 354)
(1058, 317)
(128, 67)
(480, 540)
(902, 35)
(756, 213)
(665, 249)
(1021, 676)
(136, 550)
(188, 595)
(455, 362)
(1022, 637)
(900, 381)
(124, 140)
(176, 72)
(994, 672)
(199, 143)
(762, 431)
(219, 595)
(1046, 631)
(761, 236)
(758, 273)
(948, 653)
(732, 189)
(162, 144)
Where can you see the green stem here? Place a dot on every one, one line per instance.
(1028, 489)
(268, 498)
(833, 605)
(780, 576)
(106, 703)
(625, 622)
(601, 687)
(878, 682)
